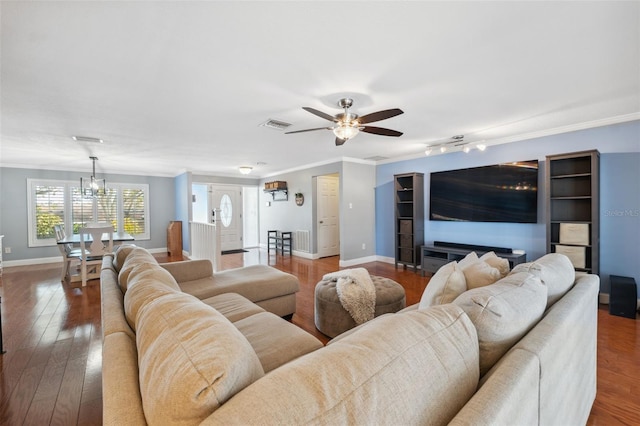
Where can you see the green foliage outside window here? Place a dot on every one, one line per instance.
(45, 223)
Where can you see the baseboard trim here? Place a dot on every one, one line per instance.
(55, 259)
(34, 261)
(358, 261)
(603, 298)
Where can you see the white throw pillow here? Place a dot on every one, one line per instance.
(499, 263)
(469, 260)
(444, 286)
(480, 274)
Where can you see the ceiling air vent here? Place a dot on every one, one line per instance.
(275, 124)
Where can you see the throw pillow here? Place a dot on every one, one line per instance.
(555, 271)
(444, 286)
(497, 262)
(468, 260)
(480, 274)
(503, 313)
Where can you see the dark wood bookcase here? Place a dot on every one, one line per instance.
(573, 208)
(409, 218)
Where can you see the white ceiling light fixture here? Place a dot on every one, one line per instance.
(87, 139)
(245, 170)
(93, 187)
(428, 151)
(466, 149)
(481, 146)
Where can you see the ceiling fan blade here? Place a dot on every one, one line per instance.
(380, 131)
(380, 115)
(340, 141)
(320, 114)
(309, 130)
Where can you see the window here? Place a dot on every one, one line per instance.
(50, 203)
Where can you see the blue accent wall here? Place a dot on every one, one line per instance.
(620, 216)
(619, 146)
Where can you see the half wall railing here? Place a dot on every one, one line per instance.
(206, 243)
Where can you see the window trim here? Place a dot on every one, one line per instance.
(33, 240)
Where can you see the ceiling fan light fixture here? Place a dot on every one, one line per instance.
(346, 131)
(428, 151)
(245, 170)
(466, 149)
(481, 146)
(443, 149)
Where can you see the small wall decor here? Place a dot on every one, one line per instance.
(299, 198)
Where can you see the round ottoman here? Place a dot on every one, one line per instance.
(332, 319)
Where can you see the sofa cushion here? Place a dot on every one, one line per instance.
(503, 312)
(444, 286)
(555, 271)
(136, 256)
(191, 360)
(501, 264)
(146, 283)
(266, 283)
(120, 255)
(233, 306)
(275, 340)
(338, 384)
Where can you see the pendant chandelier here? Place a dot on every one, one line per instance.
(92, 187)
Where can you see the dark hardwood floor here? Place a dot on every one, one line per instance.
(51, 371)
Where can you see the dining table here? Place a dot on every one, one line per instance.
(118, 238)
(74, 240)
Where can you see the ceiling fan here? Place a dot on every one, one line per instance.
(348, 125)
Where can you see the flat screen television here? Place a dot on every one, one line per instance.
(499, 193)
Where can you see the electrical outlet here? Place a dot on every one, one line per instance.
(7, 250)
(364, 246)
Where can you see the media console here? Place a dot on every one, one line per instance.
(436, 255)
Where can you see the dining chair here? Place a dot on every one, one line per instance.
(93, 247)
(69, 254)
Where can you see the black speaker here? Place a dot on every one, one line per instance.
(622, 297)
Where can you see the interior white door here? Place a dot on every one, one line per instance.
(328, 214)
(228, 199)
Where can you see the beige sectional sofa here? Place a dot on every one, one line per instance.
(172, 358)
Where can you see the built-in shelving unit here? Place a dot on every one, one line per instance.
(573, 221)
(409, 218)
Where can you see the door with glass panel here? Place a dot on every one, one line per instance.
(226, 202)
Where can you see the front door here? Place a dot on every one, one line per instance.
(228, 199)
(328, 216)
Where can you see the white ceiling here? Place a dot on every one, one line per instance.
(174, 86)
